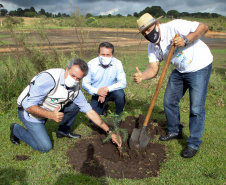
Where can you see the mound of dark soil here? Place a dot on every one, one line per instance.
(93, 157)
(22, 157)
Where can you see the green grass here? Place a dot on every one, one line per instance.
(215, 24)
(207, 167)
(4, 42)
(4, 36)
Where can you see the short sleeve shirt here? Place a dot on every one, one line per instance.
(191, 58)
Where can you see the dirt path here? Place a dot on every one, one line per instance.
(71, 39)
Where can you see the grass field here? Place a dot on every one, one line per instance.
(207, 167)
(215, 24)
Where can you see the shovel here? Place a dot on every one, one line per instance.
(139, 138)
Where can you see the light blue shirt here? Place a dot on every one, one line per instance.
(44, 83)
(113, 76)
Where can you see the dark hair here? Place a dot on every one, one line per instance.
(82, 65)
(106, 45)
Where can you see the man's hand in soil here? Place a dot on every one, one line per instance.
(116, 139)
(103, 91)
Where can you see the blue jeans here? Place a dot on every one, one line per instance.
(197, 83)
(35, 133)
(118, 96)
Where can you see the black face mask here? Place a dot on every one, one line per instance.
(153, 36)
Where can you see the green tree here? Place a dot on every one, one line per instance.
(30, 14)
(198, 15)
(4, 12)
(215, 15)
(185, 14)
(32, 9)
(65, 15)
(20, 12)
(113, 119)
(173, 13)
(42, 12)
(13, 13)
(155, 11)
(88, 15)
(135, 14)
(47, 14)
(59, 15)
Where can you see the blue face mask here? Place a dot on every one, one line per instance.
(153, 36)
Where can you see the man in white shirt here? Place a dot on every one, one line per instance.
(105, 80)
(193, 61)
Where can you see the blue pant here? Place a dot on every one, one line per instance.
(35, 133)
(197, 83)
(118, 96)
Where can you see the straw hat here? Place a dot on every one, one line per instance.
(145, 21)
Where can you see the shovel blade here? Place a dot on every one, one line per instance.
(134, 139)
(143, 139)
(139, 139)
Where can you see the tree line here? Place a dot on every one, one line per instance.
(30, 12)
(155, 11)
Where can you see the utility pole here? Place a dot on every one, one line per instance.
(1, 6)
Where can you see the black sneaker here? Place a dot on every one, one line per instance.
(13, 138)
(69, 135)
(188, 152)
(171, 136)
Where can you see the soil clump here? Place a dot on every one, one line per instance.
(93, 157)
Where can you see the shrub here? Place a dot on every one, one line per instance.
(13, 21)
(90, 20)
(30, 14)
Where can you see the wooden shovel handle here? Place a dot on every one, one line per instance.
(159, 83)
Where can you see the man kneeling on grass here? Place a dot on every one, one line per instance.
(54, 94)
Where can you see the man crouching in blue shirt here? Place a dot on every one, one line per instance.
(53, 94)
(105, 80)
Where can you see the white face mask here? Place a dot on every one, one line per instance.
(70, 82)
(105, 60)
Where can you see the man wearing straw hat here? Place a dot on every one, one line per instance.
(193, 62)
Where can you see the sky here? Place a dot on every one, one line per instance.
(114, 7)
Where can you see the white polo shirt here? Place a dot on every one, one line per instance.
(186, 59)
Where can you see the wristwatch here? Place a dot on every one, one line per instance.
(109, 130)
(186, 41)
